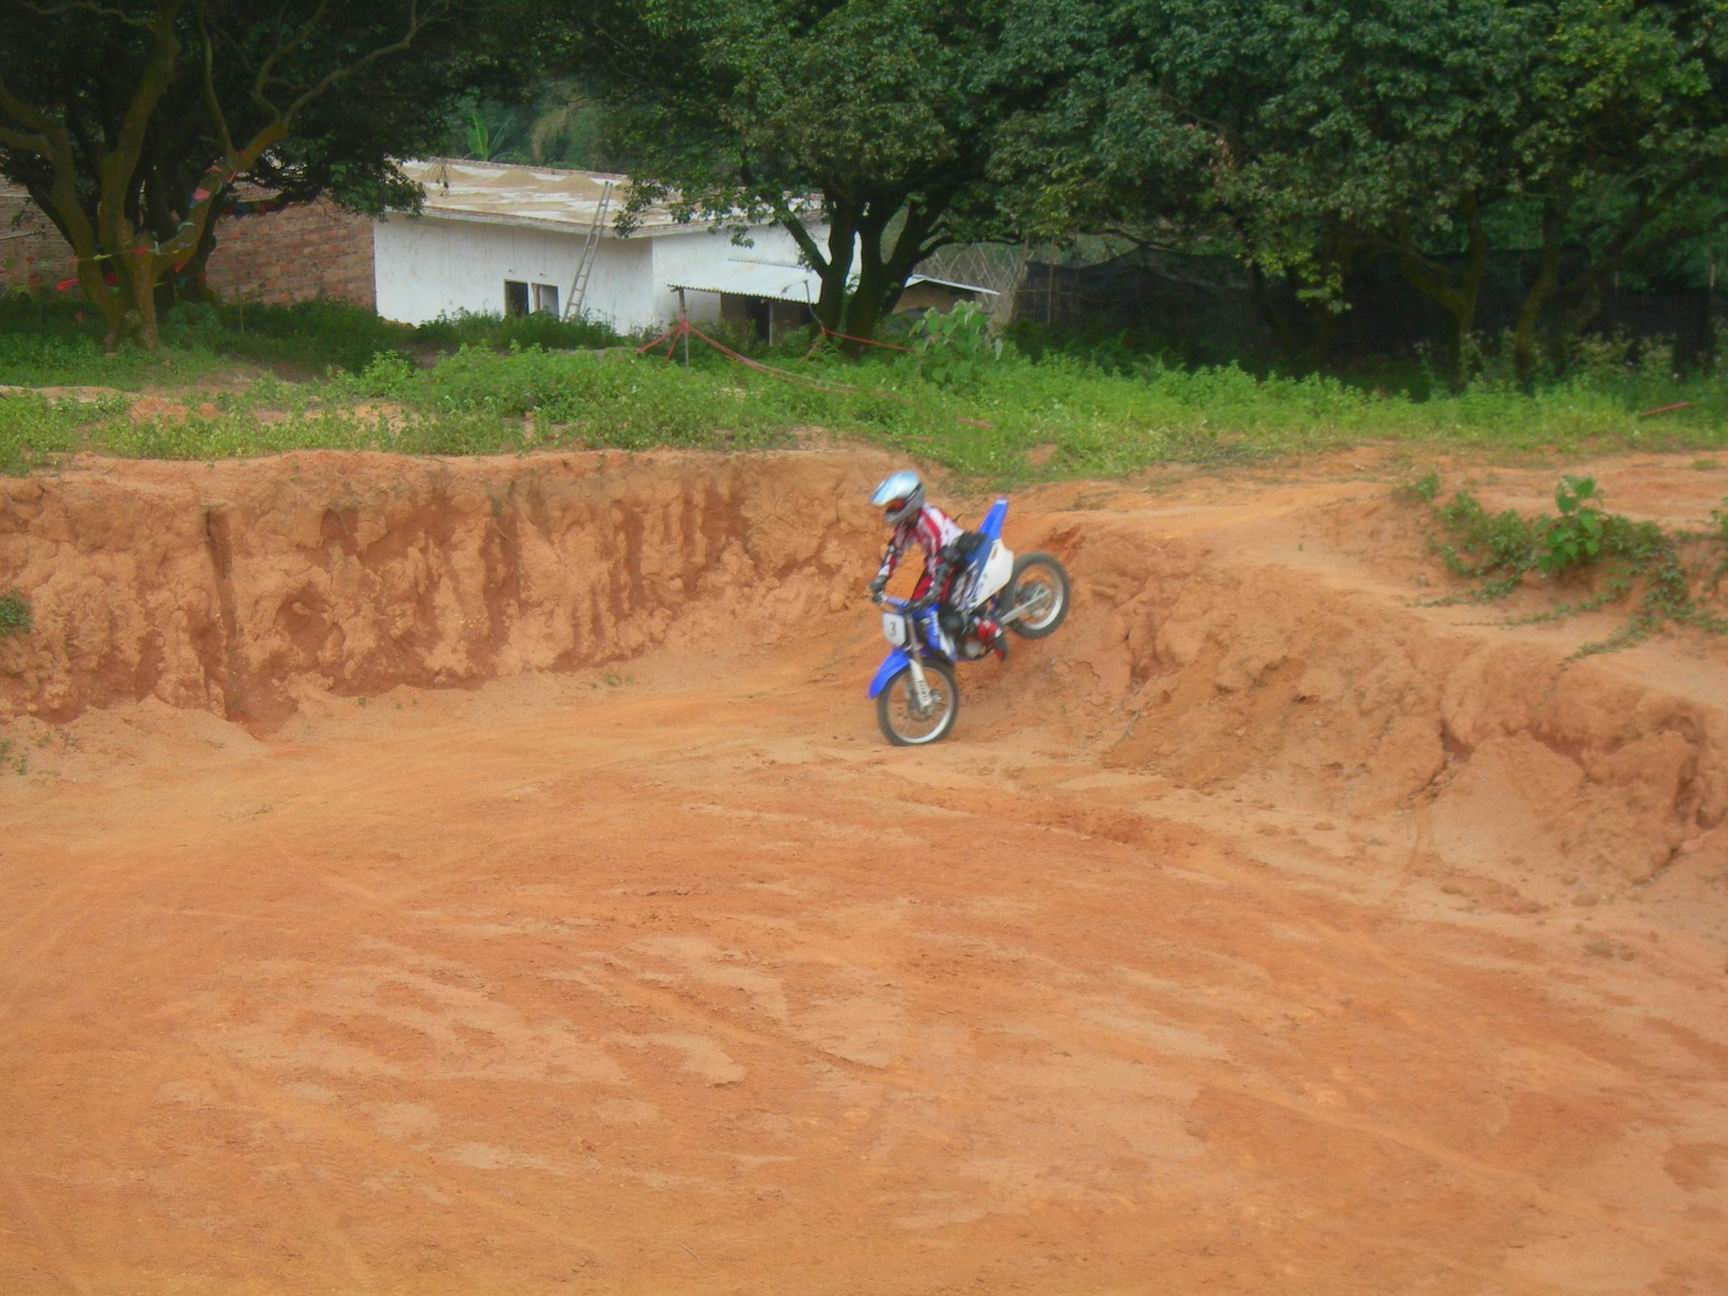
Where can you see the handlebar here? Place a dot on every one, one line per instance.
(912, 607)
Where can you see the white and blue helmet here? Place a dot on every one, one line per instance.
(899, 497)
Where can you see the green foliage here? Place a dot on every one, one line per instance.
(1012, 418)
(1575, 537)
(891, 114)
(1499, 550)
(1307, 139)
(557, 123)
(535, 329)
(43, 341)
(130, 122)
(1425, 487)
(308, 335)
(35, 430)
(954, 346)
(484, 142)
(15, 616)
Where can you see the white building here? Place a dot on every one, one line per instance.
(499, 239)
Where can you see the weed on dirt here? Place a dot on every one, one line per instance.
(15, 615)
(1672, 574)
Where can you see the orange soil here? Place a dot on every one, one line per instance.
(1265, 930)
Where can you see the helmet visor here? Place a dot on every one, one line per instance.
(894, 506)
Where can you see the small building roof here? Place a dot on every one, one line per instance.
(778, 282)
(537, 197)
(495, 193)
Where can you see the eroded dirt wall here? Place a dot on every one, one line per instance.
(227, 587)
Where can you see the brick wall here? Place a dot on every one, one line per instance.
(32, 253)
(301, 252)
(305, 251)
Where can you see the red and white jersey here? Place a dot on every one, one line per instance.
(929, 530)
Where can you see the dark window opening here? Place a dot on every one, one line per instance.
(515, 297)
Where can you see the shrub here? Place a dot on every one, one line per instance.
(15, 617)
(1575, 537)
(954, 346)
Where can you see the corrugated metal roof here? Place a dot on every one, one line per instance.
(779, 282)
(755, 279)
(952, 283)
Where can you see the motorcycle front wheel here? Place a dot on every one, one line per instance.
(905, 723)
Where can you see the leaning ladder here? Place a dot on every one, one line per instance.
(590, 246)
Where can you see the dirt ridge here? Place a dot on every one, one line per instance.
(1267, 654)
(226, 589)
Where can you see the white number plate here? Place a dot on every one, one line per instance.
(894, 627)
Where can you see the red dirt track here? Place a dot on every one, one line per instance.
(487, 877)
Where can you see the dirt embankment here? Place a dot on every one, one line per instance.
(1270, 655)
(1270, 641)
(232, 587)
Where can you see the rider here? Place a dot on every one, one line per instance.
(901, 499)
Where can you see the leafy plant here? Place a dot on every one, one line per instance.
(1500, 549)
(954, 346)
(484, 143)
(15, 616)
(1424, 488)
(1575, 537)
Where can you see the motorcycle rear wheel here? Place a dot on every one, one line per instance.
(1040, 585)
(903, 722)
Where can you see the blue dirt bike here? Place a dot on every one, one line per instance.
(916, 694)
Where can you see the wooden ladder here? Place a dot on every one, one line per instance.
(590, 246)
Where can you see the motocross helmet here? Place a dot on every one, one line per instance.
(899, 497)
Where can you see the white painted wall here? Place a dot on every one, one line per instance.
(427, 267)
(686, 256)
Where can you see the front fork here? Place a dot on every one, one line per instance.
(920, 686)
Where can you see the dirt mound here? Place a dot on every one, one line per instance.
(1290, 677)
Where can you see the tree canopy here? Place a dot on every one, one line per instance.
(131, 122)
(1315, 141)
(887, 115)
(1305, 136)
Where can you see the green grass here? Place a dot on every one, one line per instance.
(54, 341)
(1104, 416)
(15, 615)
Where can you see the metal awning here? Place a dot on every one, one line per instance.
(774, 281)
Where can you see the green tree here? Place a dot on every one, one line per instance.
(880, 116)
(1305, 136)
(130, 122)
(1624, 150)
(557, 123)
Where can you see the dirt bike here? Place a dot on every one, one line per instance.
(917, 696)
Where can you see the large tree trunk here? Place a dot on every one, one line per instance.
(864, 312)
(882, 271)
(1537, 298)
(1458, 294)
(865, 306)
(837, 273)
(185, 282)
